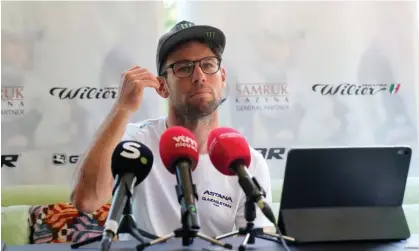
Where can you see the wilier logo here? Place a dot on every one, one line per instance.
(262, 97)
(9, 160)
(347, 89)
(184, 141)
(394, 88)
(61, 159)
(217, 199)
(84, 93)
(12, 102)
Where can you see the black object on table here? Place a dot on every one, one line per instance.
(186, 231)
(345, 194)
(249, 231)
(127, 225)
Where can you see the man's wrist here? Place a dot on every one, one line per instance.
(120, 110)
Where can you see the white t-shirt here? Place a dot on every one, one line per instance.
(221, 199)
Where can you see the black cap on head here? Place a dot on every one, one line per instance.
(185, 31)
(132, 157)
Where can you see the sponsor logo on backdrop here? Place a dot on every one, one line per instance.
(84, 92)
(262, 97)
(12, 101)
(217, 199)
(9, 160)
(62, 159)
(394, 88)
(272, 153)
(347, 89)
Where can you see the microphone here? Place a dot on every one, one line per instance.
(229, 152)
(179, 153)
(131, 164)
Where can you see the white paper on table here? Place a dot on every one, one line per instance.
(412, 243)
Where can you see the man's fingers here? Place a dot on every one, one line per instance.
(139, 70)
(151, 83)
(141, 77)
(135, 67)
(140, 84)
(147, 76)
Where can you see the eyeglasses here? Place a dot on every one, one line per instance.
(185, 68)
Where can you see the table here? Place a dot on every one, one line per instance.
(261, 244)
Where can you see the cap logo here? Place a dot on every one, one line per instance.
(210, 34)
(184, 25)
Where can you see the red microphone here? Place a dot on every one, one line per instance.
(178, 143)
(225, 146)
(229, 152)
(179, 153)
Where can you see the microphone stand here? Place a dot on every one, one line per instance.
(185, 231)
(249, 231)
(127, 225)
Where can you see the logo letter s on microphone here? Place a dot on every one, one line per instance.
(132, 150)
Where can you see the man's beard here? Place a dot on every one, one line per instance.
(190, 112)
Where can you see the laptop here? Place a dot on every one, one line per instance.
(345, 194)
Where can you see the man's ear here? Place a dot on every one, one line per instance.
(223, 77)
(162, 91)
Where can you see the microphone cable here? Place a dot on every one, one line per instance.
(281, 237)
(269, 214)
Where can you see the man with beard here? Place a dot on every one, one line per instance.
(192, 79)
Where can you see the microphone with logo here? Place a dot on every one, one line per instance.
(131, 163)
(229, 152)
(179, 153)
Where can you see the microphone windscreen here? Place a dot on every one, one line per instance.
(132, 157)
(226, 145)
(178, 143)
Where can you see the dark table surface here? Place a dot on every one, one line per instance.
(261, 244)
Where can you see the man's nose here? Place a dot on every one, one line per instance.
(198, 75)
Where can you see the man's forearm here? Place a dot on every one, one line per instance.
(93, 179)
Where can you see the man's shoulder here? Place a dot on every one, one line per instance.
(256, 155)
(146, 124)
(258, 163)
(145, 128)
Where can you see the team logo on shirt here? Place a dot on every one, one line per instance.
(145, 124)
(217, 199)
